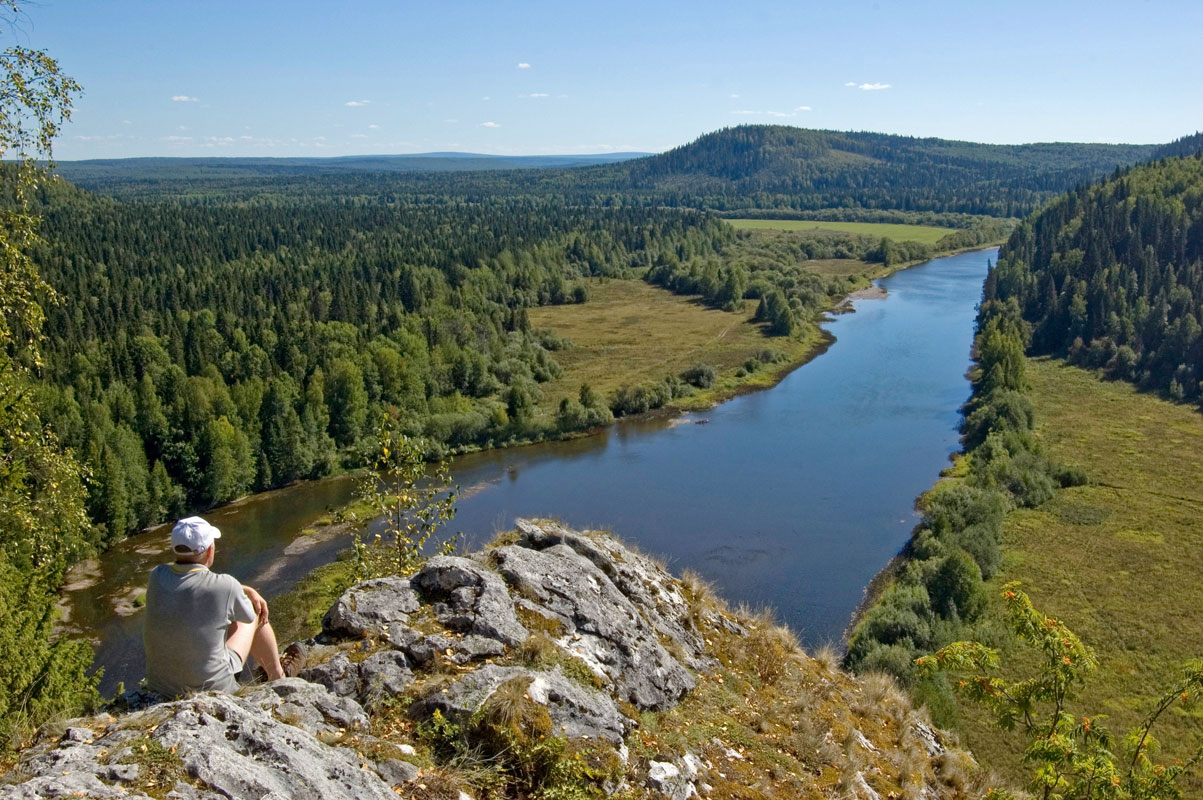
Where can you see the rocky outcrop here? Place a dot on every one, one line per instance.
(548, 634)
(372, 607)
(575, 710)
(468, 598)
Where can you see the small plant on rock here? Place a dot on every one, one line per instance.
(411, 501)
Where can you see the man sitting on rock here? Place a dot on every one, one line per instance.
(200, 625)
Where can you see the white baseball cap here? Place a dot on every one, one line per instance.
(193, 535)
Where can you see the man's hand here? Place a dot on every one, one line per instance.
(257, 602)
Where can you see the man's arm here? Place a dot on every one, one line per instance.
(257, 602)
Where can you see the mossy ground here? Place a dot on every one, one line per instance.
(1119, 560)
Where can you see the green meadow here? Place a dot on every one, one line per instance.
(1118, 560)
(632, 333)
(924, 234)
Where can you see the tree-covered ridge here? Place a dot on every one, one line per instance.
(1112, 276)
(211, 349)
(745, 167)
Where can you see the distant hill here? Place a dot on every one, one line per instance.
(106, 169)
(1186, 146)
(787, 167)
(749, 167)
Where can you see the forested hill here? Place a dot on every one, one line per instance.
(746, 167)
(1112, 276)
(777, 165)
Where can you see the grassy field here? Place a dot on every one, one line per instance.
(631, 333)
(925, 234)
(1118, 561)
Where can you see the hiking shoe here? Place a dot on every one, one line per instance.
(293, 660)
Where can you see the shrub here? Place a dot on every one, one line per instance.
(702, 376)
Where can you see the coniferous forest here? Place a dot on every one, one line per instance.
(1111, 275)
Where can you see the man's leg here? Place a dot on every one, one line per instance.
(259, 640)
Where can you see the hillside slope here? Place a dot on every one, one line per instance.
(1112, 276)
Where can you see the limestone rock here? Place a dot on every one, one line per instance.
(638, 577)
(371, 607)
(381, 675)
(469, 598)
(605, 629)
(235, 747)
(310, 706)
(667, 779)
(396, 772)
(574, 710)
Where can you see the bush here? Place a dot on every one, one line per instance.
(702, 376)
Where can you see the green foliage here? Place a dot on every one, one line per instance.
(701, 376)
(299, 318)
(630, 400)
(43, 524)
(1071, 757)
(1111, 275)
(410, 502)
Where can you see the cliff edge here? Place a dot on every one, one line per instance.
(553, 663)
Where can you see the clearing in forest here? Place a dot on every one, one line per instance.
(924, 234)
(632, 333)
(1118, 560)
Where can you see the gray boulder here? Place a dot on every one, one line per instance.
(640, 579)
(470, 599)
(605, 628)
(575, 711)
(381, 675)
(309, 706)
(233, 747)
(372, 607)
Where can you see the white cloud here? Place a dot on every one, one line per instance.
(182, 98)
(747, 112)
(850, 83)
(486, 97)
(734, 97)
(219, 141)
(523, 65)
(373, 126)
(359, 136)
(182, 128)
(127, 122)
(358, 103)
(868, 87)
(177, 139)
(779, 114)
(803, 108)
(489, 125)
(535, 94)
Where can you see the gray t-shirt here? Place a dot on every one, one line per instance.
(188, 612)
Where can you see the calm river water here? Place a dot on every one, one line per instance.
(792, 497)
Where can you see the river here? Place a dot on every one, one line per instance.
(793, 497)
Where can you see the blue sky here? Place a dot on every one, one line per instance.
(186, 78)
